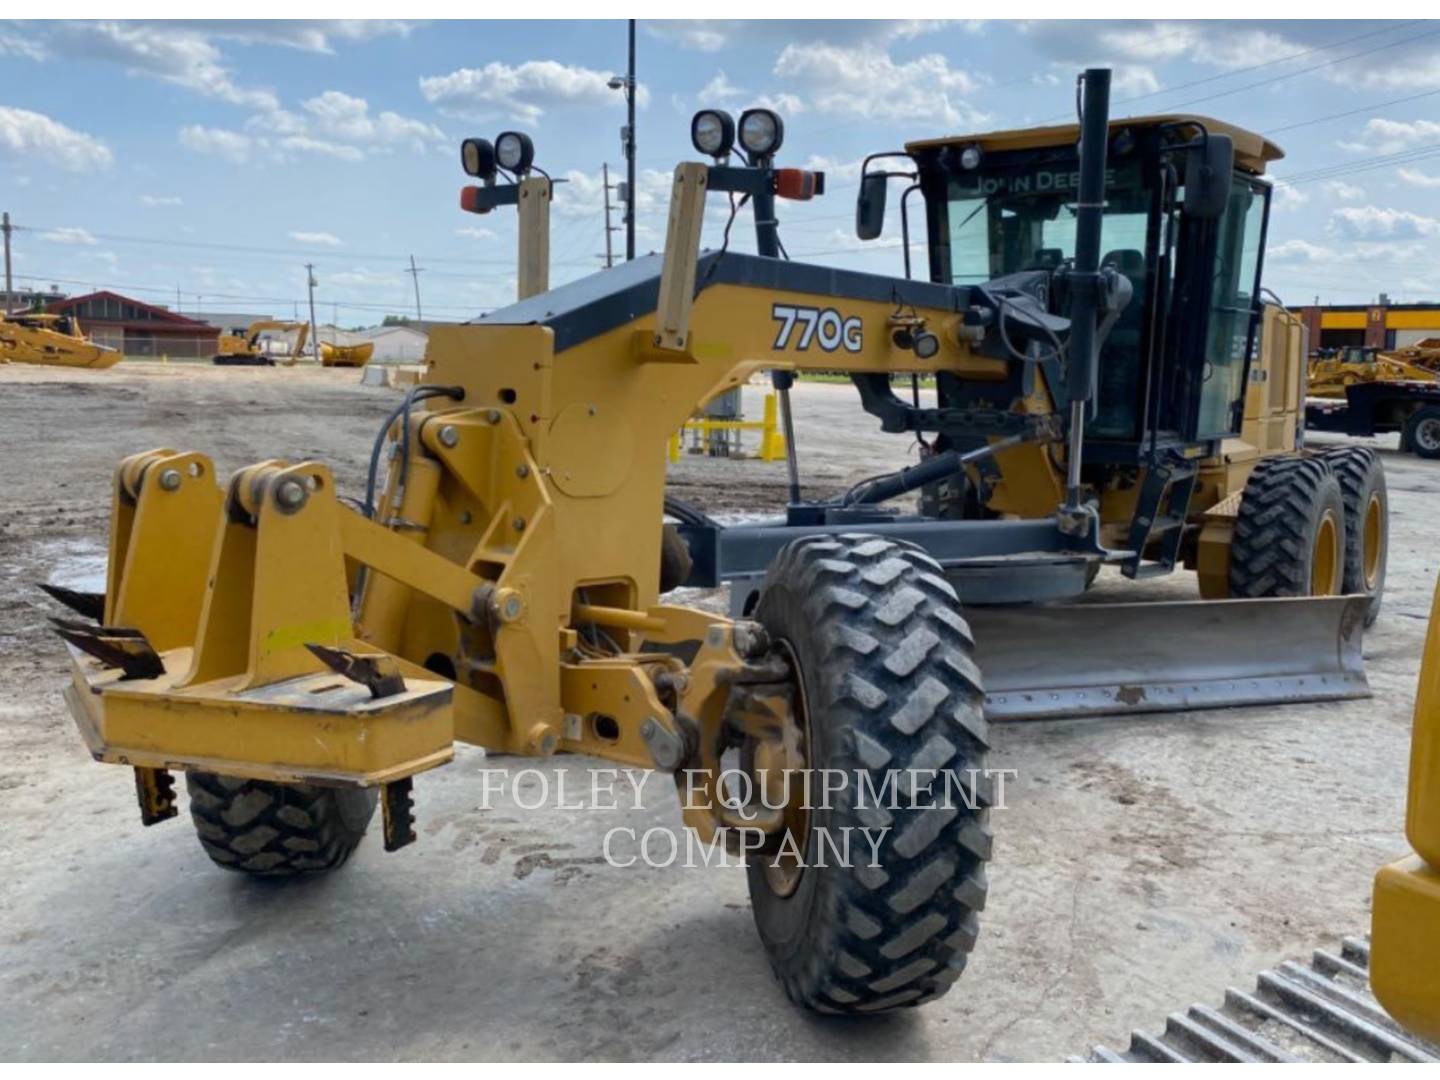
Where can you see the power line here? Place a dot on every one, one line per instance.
(357, 305)
(1270, 63)
(1302, 71)
(1352, 112)
(1348, 168)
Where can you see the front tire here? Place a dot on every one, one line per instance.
(1289, 536)
(277, 830)
(1367, 522)
(888, 685)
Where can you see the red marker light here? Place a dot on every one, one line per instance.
(470, 200)
(799, 183)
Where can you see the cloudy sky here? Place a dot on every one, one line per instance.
(219, 157)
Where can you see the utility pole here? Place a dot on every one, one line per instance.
(9, 292)
(414, 273)
(609, 247)
(314, 330)
(177, 299)
(630, 151)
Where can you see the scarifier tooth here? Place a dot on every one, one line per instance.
(89, 604)
(114, 646)
(374, 671)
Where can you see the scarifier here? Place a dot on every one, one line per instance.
(1110, 390)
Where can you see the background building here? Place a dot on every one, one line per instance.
(137, 328)
(1382, 325)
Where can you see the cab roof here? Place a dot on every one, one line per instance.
(1252, 152)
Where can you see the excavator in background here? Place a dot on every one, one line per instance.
(1111, 390)
(250, 348)
(53, 340)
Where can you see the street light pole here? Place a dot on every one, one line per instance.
(627, 142)
(630, 150)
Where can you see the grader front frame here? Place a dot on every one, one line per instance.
(293, 654)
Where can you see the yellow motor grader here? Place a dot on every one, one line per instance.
(1110, 391)
(53, 340)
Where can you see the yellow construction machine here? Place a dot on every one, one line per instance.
(1111, 390)
(1405, 920)
(251, 347)
(333, 354)
(1365, 392)
(55, 340)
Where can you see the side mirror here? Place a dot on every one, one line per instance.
(870, 206)
(1209, 169)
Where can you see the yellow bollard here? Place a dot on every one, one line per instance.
(674, 446)
(772, 443)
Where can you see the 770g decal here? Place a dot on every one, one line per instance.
(823, 326)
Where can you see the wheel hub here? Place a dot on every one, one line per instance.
(1427, 434)
(778, 765)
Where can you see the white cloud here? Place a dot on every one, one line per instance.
(712, 35)
(231, 145)
(1288, 197)
(308, 35)
(304, 144)
(26, 48)
(1418, 70)
(866, 82)
(1381, 224)
(323, 238)
(524, 92)
(162, 200)
(583, 194)
(69, 234)
(1300, 251)
(343, 116)
(180, 55)
(1343, 191)
(26, 135)
(1380, 136)
(473, 232)
(721, 91)
(1418, 179)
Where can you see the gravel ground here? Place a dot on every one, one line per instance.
(1141, 863)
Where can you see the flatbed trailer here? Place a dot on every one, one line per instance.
(1409, 407)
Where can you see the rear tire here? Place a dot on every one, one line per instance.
(1422, 432)
(277, 830)
(1289, 536)
(889, 684)
(1367, 522)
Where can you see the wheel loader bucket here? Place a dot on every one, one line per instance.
(1047, 662)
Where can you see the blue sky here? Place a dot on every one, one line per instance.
(219, 157)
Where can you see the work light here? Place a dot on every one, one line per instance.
(514, 151)
(477, 158)
(970, 157)
(761, 132)
(712, 132)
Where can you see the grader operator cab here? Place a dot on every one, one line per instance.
(500, 584)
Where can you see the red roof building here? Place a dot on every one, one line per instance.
(137, 328)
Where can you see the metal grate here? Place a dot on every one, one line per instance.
(1323, 1012)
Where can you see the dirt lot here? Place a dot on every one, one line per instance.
(1141, 864)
